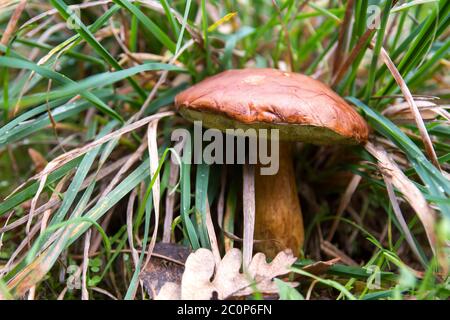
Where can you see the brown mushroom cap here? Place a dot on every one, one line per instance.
(302, 108)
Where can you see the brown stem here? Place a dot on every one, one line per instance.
(278, 214)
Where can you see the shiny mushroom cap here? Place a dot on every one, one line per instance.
(303, 109)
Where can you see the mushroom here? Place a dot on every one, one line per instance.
(303, 109)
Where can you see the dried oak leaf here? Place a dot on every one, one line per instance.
(203, 280)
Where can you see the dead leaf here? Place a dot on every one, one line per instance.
(38, 159)
(320, 267)
(166, 266)
(228, 281)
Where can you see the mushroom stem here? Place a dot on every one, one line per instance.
(278, 215)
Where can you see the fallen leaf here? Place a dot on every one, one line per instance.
(38, 159)
(165, 266)
(320, 267)
(203, 280)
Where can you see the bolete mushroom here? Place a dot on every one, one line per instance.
(303, 109)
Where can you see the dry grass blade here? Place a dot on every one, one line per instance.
(221, 200)
(38, 159)
(72, 154)
(332, 251)
(125, 167)
(28, 276)
(106, 293)
(249, 212)
(428, 111)
(343, 33)
(34, 201)
(410, 192)
(87, 243)
(399, 216)
(352, 56)
(290, 55)
(343, 204)
(212, 234)
(171, 194)
(12, 258)
(97, 176)
(2, 233)
(130, 209)
(12, 23)
(152, 135)
(54, 196)
(170, 201)
(413, 106)
(320, 267)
